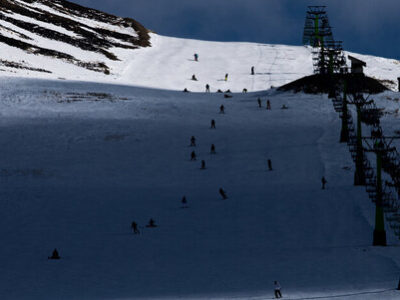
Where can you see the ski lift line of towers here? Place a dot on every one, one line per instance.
(385, 196)
(328, 57)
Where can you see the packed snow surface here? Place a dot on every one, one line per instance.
(169, 64)
(81, 161)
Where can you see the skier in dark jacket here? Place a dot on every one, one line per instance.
(277, 290)
(194, 77)
(245, 90)
(222, 109)
(203, 165)
(259, 102)
(223, 194)
(324, 182)
(252, 70)
(134, 227)
(54, 255)
(226, 76)
(212, 151)
(196, 57)
(193, 155)
(213, 124)
(152, 224)
(184, 202)
(269, 165)
(268, 105)
(192, 141)
(207, 88)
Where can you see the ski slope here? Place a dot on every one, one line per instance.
(81, 161)
(169, 64)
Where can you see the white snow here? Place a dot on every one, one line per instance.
(169, 64)
(80, 160)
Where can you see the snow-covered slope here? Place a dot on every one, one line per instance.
(61, 40)
(80, 162)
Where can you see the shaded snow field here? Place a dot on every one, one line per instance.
(79, 162)
(169, 63)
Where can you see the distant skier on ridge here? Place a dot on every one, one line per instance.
(196, 57)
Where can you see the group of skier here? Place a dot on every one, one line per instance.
(194, 78)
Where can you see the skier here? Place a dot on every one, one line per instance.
(227, 96)
(54, 255)
(207, 88)
(185, 90)
(213, 124)
(193, 156)
(222, 109)
(268, 105)
(192, 141)
(252, 70)
(212, 151)
(223, 194)
(203, 165)
(219, 91)
(226, 77)
(323, 180)
(245, 90)
(196, 57)
(184, 202)
(269, 165)
(259, 102)
(228, 91)
(152, 224)
(134, 227)
(278, 293)
(194, 77)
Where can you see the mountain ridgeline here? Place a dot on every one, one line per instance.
(60, 29)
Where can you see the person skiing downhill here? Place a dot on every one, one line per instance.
(268, 105)
(193, 156)
(222, 109)
(269, 165)
(192, 141)
(226, 76)
(252, 70)
(213, 124)
(212, 151)
(196, 57)
(194, 77)
(259, 102)
(324, 182)
(203, 165)
(277, 290)
(134, 227)
(54, 255)
(184, 202)
(207, 88)
(152, 224)
(223, 194)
